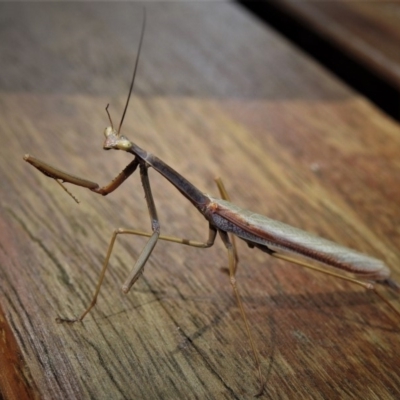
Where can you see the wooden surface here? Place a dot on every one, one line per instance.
(367, 31)
(217, 93)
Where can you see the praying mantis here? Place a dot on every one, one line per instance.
(224, 218)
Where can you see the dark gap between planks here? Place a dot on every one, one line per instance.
(347, 68)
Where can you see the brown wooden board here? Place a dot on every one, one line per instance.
(217, 93)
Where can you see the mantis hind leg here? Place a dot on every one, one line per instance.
(230, 243)
(369, 285)
(225, 196)
(232, 271)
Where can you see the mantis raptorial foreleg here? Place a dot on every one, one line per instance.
(119, 179)
(60, 176)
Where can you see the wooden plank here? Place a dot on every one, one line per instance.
(15, 380)
(289, 141)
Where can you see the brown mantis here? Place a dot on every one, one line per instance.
(275, 238)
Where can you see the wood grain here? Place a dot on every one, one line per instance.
(217, 93)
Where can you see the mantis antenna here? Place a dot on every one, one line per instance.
(134, 72)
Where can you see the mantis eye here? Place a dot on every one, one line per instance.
(124, 144)
(108, 131)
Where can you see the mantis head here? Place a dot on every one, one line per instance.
(114, 140)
